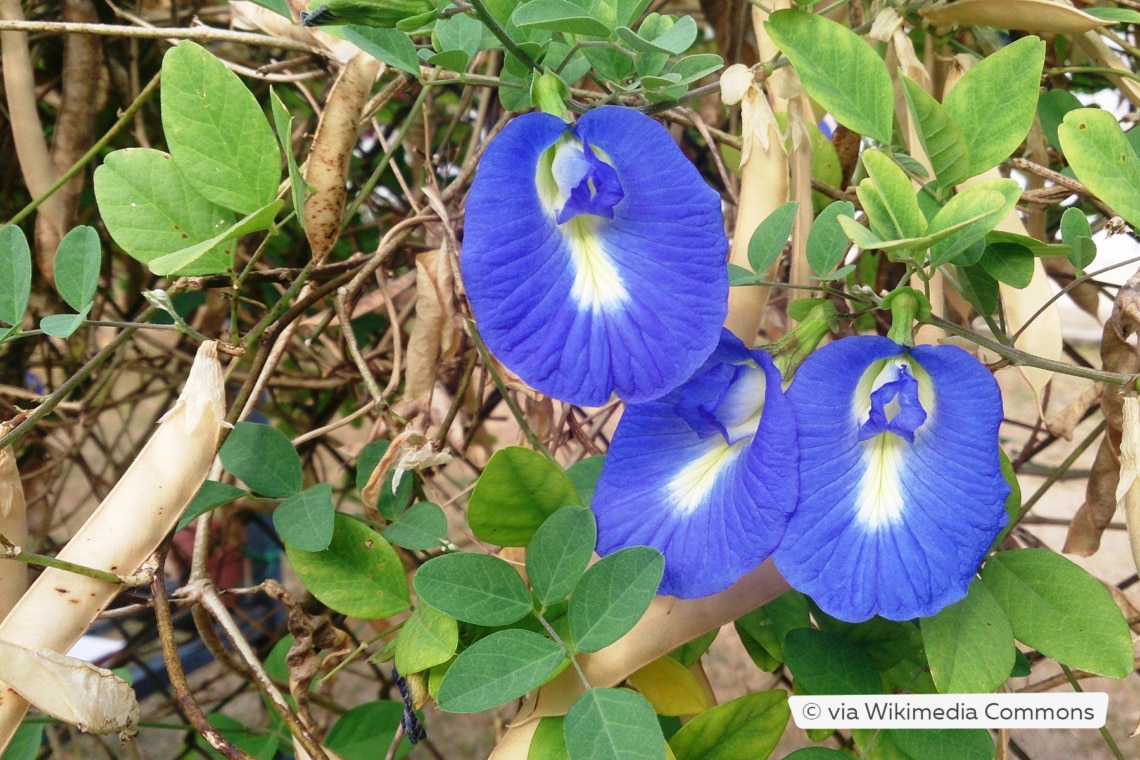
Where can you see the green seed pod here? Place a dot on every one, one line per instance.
(381, 14)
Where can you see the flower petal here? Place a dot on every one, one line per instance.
(631, 304)
(715, 510)
(885, 526)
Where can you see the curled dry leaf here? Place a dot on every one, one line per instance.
(410, 450)
(327, 168)
(435, 337)
(71, 690)
(1023, 15)
(1063, 423)
(125, 528)
(1117, 354)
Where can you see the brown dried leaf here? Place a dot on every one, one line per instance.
(435, 336)
(1062, 423)
(410, 450)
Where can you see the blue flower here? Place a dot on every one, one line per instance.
(594, 256)
(707, 474)
(901, 491)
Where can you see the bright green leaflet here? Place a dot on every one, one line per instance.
(1009, 263)
(211, 494)
(76, 267)
(420, 527)
(216, 131)
(263, 458)
(826, 241)
(1059, 609)
(971, 214)
(357, 733)
(1103, 159)
(558, 554)
(613, 595)
(762, 630)
(358, 575)
(897, 194)
(182, 261)
(549, 742)
(151, 210)
(305, 520)
(15, 274)
(1051, 109)
(770, 237)
(477, 588)
(391, 46)
(283, 125)
(838, 69)
(940, 135)
(969, 644)
(63, 325)
(518, 489)
(496, 669)
(1077, 233)
(818, 753)
(428, 638)
(994, 103)
(824, 663)
(748, 726)
(613, 724)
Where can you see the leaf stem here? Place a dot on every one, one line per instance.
(1115, 750)
(11, 551)
(565, 647)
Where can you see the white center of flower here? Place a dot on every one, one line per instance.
(690, 487)
(597, 284)
(880, 489)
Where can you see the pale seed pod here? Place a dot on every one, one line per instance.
(125, 528)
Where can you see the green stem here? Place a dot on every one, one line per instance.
(565, 648)
(59, 564)
(1106, 70)
(1058, 472)
(1115, 750)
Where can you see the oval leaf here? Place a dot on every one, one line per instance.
(305, 520)
(15, 274)
(969, 644)
(770, 237)
(613, 724)
(498, 668)
(559, 552)
(518, 489)
(827, 242)
(428, 638)
(613, 595)
(358, 575)
(1059, 609)
(838, 69)
(420, 527)
(748, 726)
(77, 262)
(263, 458)
(477, 588)
(1103, 159)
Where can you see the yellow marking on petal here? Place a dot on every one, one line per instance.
(597, 284)
(881, 500)
(692, 484)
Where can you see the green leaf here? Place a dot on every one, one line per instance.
(613, 724)
(827, 242)
(252, 740)
(886, 642)
(1051, 109)
(1009, 263)
(770, 237)
(283, 124)
(76, 267)
(305, 520)
(389, 503)
(216, 131)
(15, 274)
(428, 638)
(1116, 15)
(969, 215)
(477, 588)
(549, 742)
(185, 260)
(969, 644)
(358, 575)
(660, 34)
(980, 289)
(558, 554)
(584, 475)
(748, 726)
(151, 210)
(762, 630)
(497, 669)
(391, 46)
(263, 458)
(824, 663)
(420, 527)
(818, 753)
(940, 135)
(25, 742)
(838, 69)
(925, 744)
(689, 653)
(558, 16)
(518, 489)
(738, 275)
(1102, 158)
(613, 595)
(693, 67)
(211, 494)
(906, 219)
(1076, 232)
(63, 325)
(357, 733)
(994, 103)
(460, 33)
(1059, 609)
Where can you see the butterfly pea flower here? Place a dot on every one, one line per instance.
(901, 491)
(706, 474)
(594, 256)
